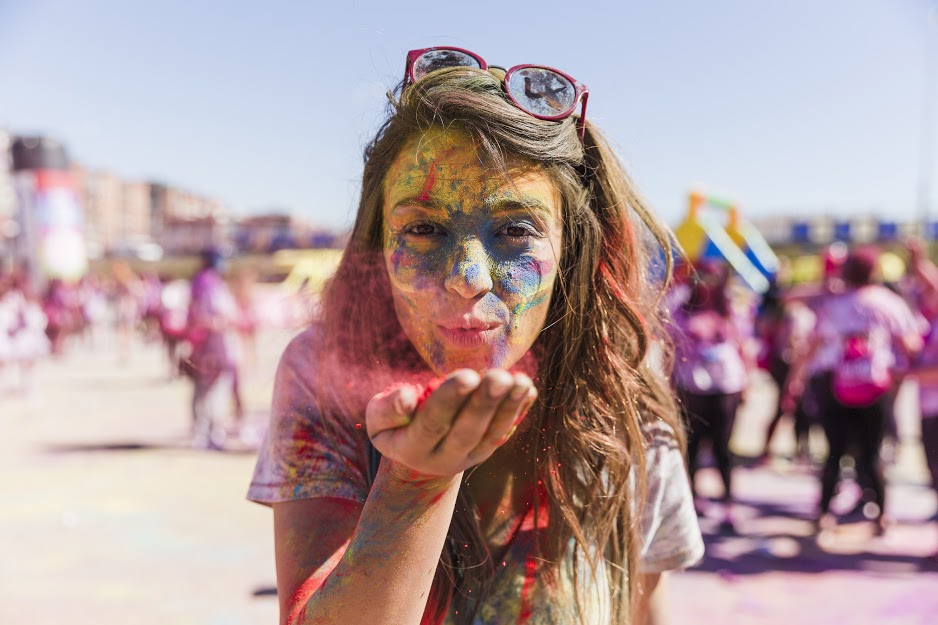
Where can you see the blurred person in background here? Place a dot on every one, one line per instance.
(128, 294)
(7, 323)
(864, 325)
(23, 337)
(58, 304)
(150, 306)
(783, 328)
(93, 304)
(213, 363)
(174, 310)
(925, 370)
(710, 372)
(814, 362)
(243, 283)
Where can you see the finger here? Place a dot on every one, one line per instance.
(510, 414)
(434, 417)
(522, 396)
(390, 409)
(474, 418)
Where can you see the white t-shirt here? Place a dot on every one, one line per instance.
(871, 310)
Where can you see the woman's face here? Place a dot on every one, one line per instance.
(472, 257)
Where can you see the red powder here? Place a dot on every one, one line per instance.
(431, 386)
(428, 185)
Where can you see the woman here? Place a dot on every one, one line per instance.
(23, 322)
(866, 325)
(498, 243)
(710, 373)
(213, 362)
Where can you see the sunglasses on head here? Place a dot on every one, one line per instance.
(540, 91)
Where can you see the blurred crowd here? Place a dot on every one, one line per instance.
(206, 327)
(838, 351)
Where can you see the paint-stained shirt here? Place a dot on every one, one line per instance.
(304, 456)
(708, 353)
(872, 311)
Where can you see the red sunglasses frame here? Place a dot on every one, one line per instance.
(582, 92)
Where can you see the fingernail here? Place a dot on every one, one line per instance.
(499, 385)
(466, 381)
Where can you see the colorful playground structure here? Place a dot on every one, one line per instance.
(715, 230)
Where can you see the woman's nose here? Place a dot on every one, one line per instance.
(471, 274)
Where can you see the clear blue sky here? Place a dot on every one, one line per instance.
(787, 106)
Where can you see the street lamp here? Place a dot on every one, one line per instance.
(929, 105)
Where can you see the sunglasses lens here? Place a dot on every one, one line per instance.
(438, 59)
(542, 91)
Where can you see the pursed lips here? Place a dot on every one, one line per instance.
(469, 332)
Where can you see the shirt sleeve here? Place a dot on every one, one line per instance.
(670, 533)
(305, 455)
(904, 321)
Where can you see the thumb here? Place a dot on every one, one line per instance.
(391, 408)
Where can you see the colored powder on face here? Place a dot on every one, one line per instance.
(428, 185)
(449, 252)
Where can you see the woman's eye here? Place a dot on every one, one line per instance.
(423, 230)
(518, 231)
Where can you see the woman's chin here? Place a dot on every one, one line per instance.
(524, 363)
(475, 364)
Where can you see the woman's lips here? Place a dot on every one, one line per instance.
(470, 337)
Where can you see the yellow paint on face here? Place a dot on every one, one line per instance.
(472, 256)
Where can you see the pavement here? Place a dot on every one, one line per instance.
(109, 517)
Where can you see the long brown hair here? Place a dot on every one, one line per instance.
(597, 387)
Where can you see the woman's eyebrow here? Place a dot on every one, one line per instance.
(528, 204)
(418, 203)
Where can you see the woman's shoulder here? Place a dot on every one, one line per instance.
(310, 379)
(658, 434)
(297, 383)
(301, 355)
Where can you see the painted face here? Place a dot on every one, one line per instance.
(472, 256)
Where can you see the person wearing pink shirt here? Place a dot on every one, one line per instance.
(710, 372)
(862, 328)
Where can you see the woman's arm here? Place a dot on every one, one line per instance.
(652, 605)
(927, 374)
(340, 562)
(794, 385)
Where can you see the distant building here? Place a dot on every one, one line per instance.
(182, 222)
(47, 234)
(116, 216)
(8, 226)
(191, 236)
(821, 229)
(272, 232)
(264, 233)
(116, 211)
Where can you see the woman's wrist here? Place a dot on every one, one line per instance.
(399, 475)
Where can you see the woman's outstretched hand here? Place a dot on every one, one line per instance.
(459, 424)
